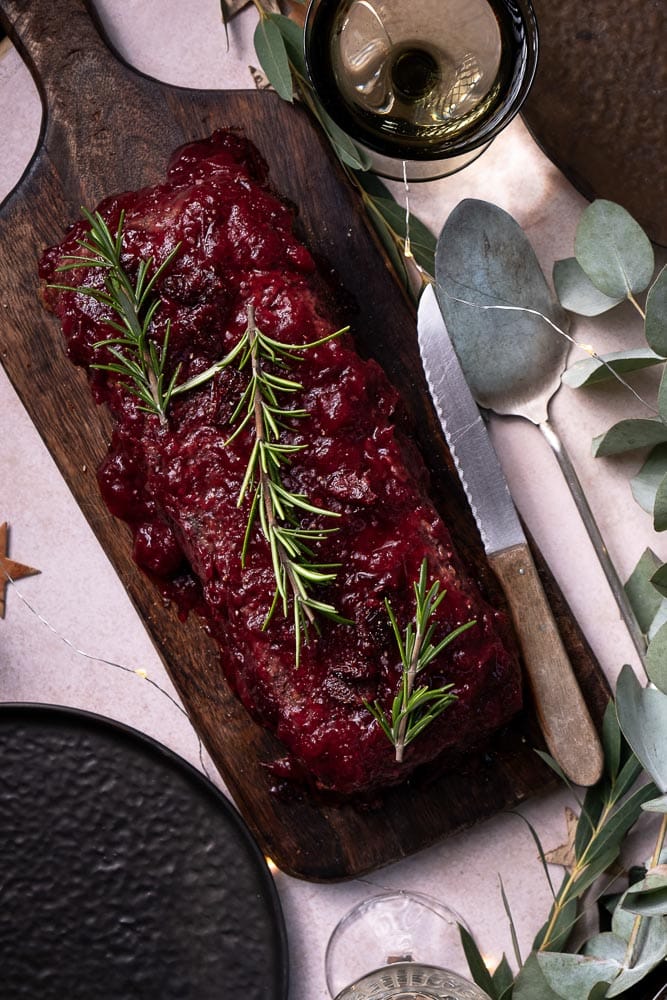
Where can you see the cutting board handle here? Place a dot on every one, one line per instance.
(56, 39)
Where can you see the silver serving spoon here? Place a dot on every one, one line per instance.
(512, 359)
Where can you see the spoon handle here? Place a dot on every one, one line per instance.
(586, 514)
(564, 718)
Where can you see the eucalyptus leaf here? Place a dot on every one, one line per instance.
(561, 928)
(611, 742)
(644, 484)
(662, 394)
(591, 371)
(577, 293)
(606, 945)
(644, 598)
(613, 250)
(272, 54)
(503, 979)
(651, 951)
(659, 579)
(572, 977)
(658, 805)
(622, 819)
(656, 661)
(530, 983)
(649, 897)
(630, 434)
(659, 620)
(660, 506)
(292, 34)
(345, 148)
(422, 240)
(655, 324)
(595, 868)
(494, 296)
(642, 715)
(476, 964)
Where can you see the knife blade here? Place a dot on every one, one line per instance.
(566, 724)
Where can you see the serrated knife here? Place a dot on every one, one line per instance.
(563, 715)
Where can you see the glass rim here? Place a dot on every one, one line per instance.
(397, 149)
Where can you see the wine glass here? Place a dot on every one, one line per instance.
(422, 85)
(397, 946)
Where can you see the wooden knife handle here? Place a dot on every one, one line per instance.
(564, 718)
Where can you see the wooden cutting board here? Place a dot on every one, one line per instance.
(107, 128)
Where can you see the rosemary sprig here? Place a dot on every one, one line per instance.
(414, 708)
(279, 510)
(137, 358)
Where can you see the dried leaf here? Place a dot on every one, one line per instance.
(630, 434)
(576, 291)
(565, 855)
(590, 371)
(613, 250)
(655, 324)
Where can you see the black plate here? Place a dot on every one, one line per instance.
(124, 874)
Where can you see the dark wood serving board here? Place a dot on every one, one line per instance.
(107, 128)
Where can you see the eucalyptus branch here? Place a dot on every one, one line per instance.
(137, 358)
(277, 509)
(414, 708)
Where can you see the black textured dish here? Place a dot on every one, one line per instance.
(124, 873)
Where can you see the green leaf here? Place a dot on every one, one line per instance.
(602, 860)
(591, 371)
(422, 240)
(272, 54)
(611, 741)
(345, 148)
(613, 250)
(651, 951)
(503, 979)
(622, 819)
(292, 35)
(648, 897)
(628, 435)
(606, 945)
(576, 291)
(530, 983)
(494, 296)
(642, 715)
(643, 597)
(644, 484)
(574, 976)
(659, 579)
(656, 660)
(566, 918)
(655, 324)
(478, 969)
(658, 805)
(662, 394)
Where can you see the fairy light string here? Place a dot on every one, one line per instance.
(139, 672)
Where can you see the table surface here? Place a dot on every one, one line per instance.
(66, 628)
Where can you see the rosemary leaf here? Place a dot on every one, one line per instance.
(414, 708)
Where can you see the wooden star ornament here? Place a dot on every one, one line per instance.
(9, 569)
